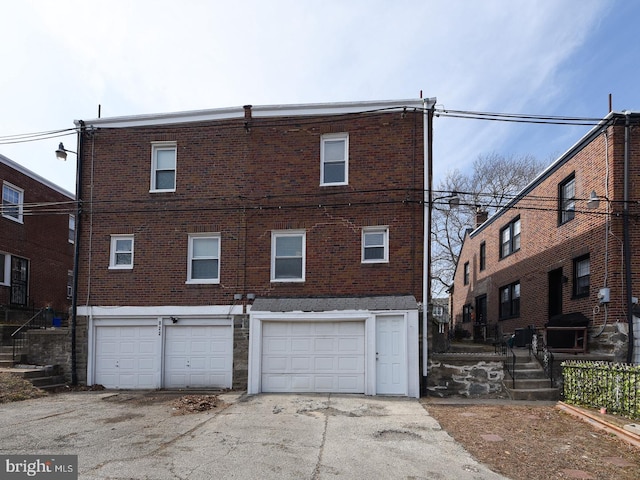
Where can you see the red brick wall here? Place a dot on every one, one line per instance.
(245, 184)
(42, 239)
(546, 246)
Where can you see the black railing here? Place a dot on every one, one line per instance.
(42, 319)
(614, 386)
(510, 363)
(538, 348)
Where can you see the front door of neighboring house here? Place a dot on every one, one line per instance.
(19, 280)
(555, 292)
(391, 362)
(480, 328)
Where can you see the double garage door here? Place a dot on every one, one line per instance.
(313, 357)
(169, 356)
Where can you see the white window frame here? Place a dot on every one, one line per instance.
(20, 203)
(275, 235)
(190, 258)
(72, 231)
(158, 147)
(114, 252)
(6, 281)
(69, 284)
(385, 244)
(333, 137)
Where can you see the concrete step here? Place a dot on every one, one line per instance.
(6, 363)
(47, 382)
(535, 394)
(529, 374)
(532, 384)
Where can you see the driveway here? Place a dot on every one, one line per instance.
(125, 435)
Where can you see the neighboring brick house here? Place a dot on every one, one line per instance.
(36, 241)
(274, 248)
(556, 252)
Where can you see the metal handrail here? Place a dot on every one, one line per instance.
(545, 358)
(17, 337)
(511, 369)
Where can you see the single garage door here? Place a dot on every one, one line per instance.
(198, 356)
(127, 357)
(305, 356)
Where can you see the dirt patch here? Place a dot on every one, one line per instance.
(14, 388)
(537, 442)
(196, 404)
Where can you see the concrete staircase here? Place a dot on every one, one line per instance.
(531, 381)
(49, 377)
(6, 357)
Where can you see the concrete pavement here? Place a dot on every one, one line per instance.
(131, 435)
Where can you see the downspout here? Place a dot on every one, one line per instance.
(427, 195)
(627, 240)
(76, 256)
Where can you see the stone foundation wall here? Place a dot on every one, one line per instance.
(612, 340)
(465, 375)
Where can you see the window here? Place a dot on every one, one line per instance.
(510, 301)
(375, 245)
(72, 228)
(288, 256)
(467, 310)
(163, 167)
(5, 269)
(204, 259)
(466, 273)
(437, 310)
(121, 252)
(69, 284)
(581, 276)
(567, 199)
(12, 200)
(510, 238)
(483, 256)
(334, 159)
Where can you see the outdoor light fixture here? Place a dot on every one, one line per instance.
(594, 201)
(61, 152)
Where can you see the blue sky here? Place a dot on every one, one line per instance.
(62, 58)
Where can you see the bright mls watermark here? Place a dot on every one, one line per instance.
(49, 467)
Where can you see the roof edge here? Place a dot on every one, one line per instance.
(31, 174)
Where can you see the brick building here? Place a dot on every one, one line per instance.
(278, 248)
(562, 251)
(36, 242)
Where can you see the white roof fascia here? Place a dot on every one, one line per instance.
(36, 177)
(256, 111)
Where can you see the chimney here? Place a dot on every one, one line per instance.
(481, 216)
(247, 112)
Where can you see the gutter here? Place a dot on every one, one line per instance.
(627, 239)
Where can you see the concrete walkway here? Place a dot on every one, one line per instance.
(127, 435)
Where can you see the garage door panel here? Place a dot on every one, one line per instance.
(307, 356)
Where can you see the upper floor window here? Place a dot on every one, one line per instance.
(510, 238)
(334, 159)
(12, 202)
(483, 256)
(69, 284)
(567, 199)
(121, 256)
(72, 228)
(581, 276)
(204, 259)
(375, 245)
(288, 256)
(163, 167)
(437, 310)
(510, 301)
(466, 273)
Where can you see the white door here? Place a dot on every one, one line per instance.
(391, 360)
(305, 356)
(127, 357)
(198, 356)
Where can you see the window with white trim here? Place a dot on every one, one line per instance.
(581, 276)
(72, 228)
(510, 238)
(204, 258)
(121, 252)
(288, 256)
(163, 167)
(12, 202)
(69, 284)
(375, 245)
(567, 199)
(334, 159)
(5, 269)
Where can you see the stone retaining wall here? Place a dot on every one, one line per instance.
(468, 375)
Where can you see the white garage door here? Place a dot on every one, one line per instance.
(198, 356)
(308, 356)
(127, 357)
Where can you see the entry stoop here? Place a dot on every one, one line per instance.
(45, 378)
(531, 382)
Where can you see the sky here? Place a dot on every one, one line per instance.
(63, 58)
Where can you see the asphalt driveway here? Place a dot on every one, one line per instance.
(127, 435)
